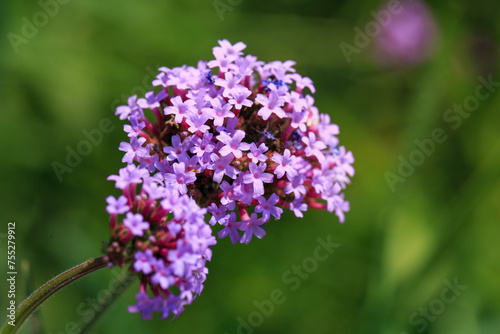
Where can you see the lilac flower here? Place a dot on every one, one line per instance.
(231, 227)
(320, 180)
(218, 213)
(245, 191)
(151, 101)
(277, 69)
(257, 176)
(341, 206)
(133, 129)
(285, 163)
(192, 163)
(229, 83)
(180, 109)
(149, 161)
(145, 305)
(190, 211)
(247, 64)
(136, 224)
(257, 153)
(144, 261)
(125, 111)
(314, 146)
(303, 82)
(117, 206)
(128, 175)
(154, 190)
(251, 228)
(133, 150)
(219, 112)
(197, 123)
(296, 186)
(230, 193)
(222, 60)
(270, 105)
(335, 201)
(184, 77)
(202, 147)
(268, 208)
(327, 131)
(178, 148)
(297, 102)
(239, 96)
(230, 50)
(161, 80)
(200, 98)
(163, 166)
(180, 178)
(344, 160)
(162, 276)
(233, 143)
(174, 228)
(297, 206)
(230, 127)
(222, 167)
(174, 304)
(298, 120)
(181, 261)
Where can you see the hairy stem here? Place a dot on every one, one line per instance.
(48, 289)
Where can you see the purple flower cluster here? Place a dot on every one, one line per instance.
(164, 237)
(239, 138)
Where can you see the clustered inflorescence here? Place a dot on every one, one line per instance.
(234, 137)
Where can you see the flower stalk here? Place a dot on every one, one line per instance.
(50, 288)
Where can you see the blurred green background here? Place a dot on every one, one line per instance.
(398, 250)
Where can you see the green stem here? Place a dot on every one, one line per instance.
(48, 289)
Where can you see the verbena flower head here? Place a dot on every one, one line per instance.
(234, 137)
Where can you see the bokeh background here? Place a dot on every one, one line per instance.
(399, 247)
